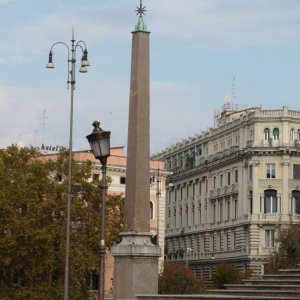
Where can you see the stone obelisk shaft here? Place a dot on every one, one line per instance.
(138, 155)
(136, 258)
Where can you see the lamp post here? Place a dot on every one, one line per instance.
(70, 82)
(100, 144)
(188, 250)
(157, 179)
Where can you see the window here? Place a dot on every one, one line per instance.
(228, 178)
(276, 134)
(94, 280)
(269, 238)
(292, 134)
(221, 180)
(228, 210)
(122, 180)
(266, 134)
(236, 179)
(193, 215)
(180, 217)
(235, 209)
(200, 219)
(296, 202)
(151, 211)
(221, 212)
(270, 171)
(296, 171)
(250, 202)
(298, 135)
(213, 217)
(215, 180)
(200, 187)
(187, 215)
(270, 202)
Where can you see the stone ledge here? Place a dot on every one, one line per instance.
(137, 244)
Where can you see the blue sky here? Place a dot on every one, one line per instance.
(197, 46)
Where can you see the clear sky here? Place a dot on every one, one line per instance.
(197, 46)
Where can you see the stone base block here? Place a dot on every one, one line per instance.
(136, 266)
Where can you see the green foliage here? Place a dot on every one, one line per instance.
(33, 225)
(226, 274)
(177, 279)
(288, 254)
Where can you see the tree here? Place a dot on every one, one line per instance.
(33, 225)
(177, 279)
(288, 253)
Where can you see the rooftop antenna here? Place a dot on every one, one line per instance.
(45, 118)
(233, 89)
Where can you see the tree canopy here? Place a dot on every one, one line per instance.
(288, 253)
(33, 201)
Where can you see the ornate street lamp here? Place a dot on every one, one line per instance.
(100, 144)
(71, 82)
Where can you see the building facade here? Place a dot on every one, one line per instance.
(116, 171)
(232, 189)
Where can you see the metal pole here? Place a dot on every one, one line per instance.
(72, 82)
(158, 193)
(186, 258)
(101, 287)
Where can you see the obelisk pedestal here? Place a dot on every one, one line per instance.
(136, 258)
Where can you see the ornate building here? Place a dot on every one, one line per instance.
(233, 187)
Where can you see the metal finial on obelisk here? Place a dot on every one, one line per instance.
(141, 10)
(141, 25)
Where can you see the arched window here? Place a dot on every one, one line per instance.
(276, 134)
(292, 134)
(151, 210)
(266, 134)
(296, 202)
(270, 201)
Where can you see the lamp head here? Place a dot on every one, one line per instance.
(83, 69)
(50, 64)
(100, 142)
(84, 59)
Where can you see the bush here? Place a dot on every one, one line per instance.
(225, 274)
(177, 279)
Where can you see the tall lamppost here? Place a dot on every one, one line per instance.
(100, 144)
(188, 250)
(70, 82)
(157, 179)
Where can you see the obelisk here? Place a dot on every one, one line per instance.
(136, 258)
